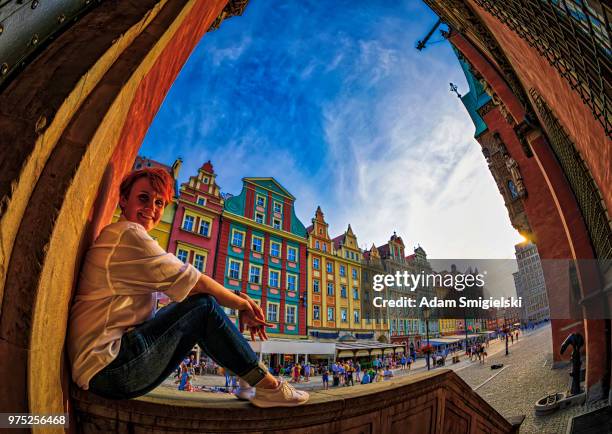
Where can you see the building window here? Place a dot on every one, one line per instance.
(275, 249)
(343, 291)
(330, 267)
(204, 227)
(182, 255)
(256, 244)
(356, 316)
(325, 247)
(317, 245)
(254, 274)
(276, 224)
(277, 207)
(291, 282)
(272, 312)
(259, 218)
(342, 271)
(354, 270)
(201, 201)
(290, 315)
(330, 288)
(315, 286)
(330, 314)
(261, 201)
(316, 312)
(237, 238)
(343, 315)
(205, 179)
(346, 254)
(274, 278)
(188, 223)
(355, 293)
(234, 269)
(315, 263)
(291, 254)
(198, 262)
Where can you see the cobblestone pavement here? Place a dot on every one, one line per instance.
(526, 377)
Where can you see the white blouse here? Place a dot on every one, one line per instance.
(121, 273)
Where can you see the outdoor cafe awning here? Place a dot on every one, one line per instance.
(291, 346)
(363, 348)
(443, 341)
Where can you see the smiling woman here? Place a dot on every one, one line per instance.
(111, 321)
(151, 191)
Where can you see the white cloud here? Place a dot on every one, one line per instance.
(411, 165)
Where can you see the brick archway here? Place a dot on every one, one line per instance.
(73, 121)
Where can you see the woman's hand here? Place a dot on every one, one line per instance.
(251, 316)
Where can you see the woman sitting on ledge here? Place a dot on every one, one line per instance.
(119, 348)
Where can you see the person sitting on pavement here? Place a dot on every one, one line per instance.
(112, 324)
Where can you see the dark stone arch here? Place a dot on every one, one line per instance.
(72, 122)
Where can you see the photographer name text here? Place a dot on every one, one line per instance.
(480, 302)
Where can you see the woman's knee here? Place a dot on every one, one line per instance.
(207, 303)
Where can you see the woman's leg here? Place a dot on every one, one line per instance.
(151, 351)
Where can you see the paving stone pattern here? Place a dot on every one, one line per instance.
(526, 378)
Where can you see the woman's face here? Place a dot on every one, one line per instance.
(144, 205)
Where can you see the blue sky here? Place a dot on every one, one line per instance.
(333, 100)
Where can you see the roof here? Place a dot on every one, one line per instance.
(207, 167)
(270, 184)
(338, 241)
(384, 250)
(310, 228)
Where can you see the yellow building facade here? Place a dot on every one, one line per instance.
(334, 282)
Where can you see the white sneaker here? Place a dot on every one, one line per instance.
(245, 391)
(285, 395)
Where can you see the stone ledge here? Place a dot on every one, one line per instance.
(428, 402)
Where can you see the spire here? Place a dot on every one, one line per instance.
(319, 216)
(207, 167)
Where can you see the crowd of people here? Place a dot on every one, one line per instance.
(345, 373)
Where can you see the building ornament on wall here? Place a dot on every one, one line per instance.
(232, 9)
(515, 173)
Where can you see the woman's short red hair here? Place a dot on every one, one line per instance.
(160, 180)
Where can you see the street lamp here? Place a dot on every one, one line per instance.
(506, 333)
(426, 314)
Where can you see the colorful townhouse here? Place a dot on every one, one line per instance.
(334, 283)
(262, 252)
(193, 237)
(417, 263)
(349, 274)
(405, 324)
(376, 318)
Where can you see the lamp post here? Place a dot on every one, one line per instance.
(506, 333)
(426, 316)
(465, 328)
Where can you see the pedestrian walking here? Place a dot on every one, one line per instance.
(349, 376)
(325, 378)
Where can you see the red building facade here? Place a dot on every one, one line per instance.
(195, 230)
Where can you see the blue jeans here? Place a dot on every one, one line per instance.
(150, 352)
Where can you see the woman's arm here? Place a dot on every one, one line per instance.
(251, 314)
(225, 297)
